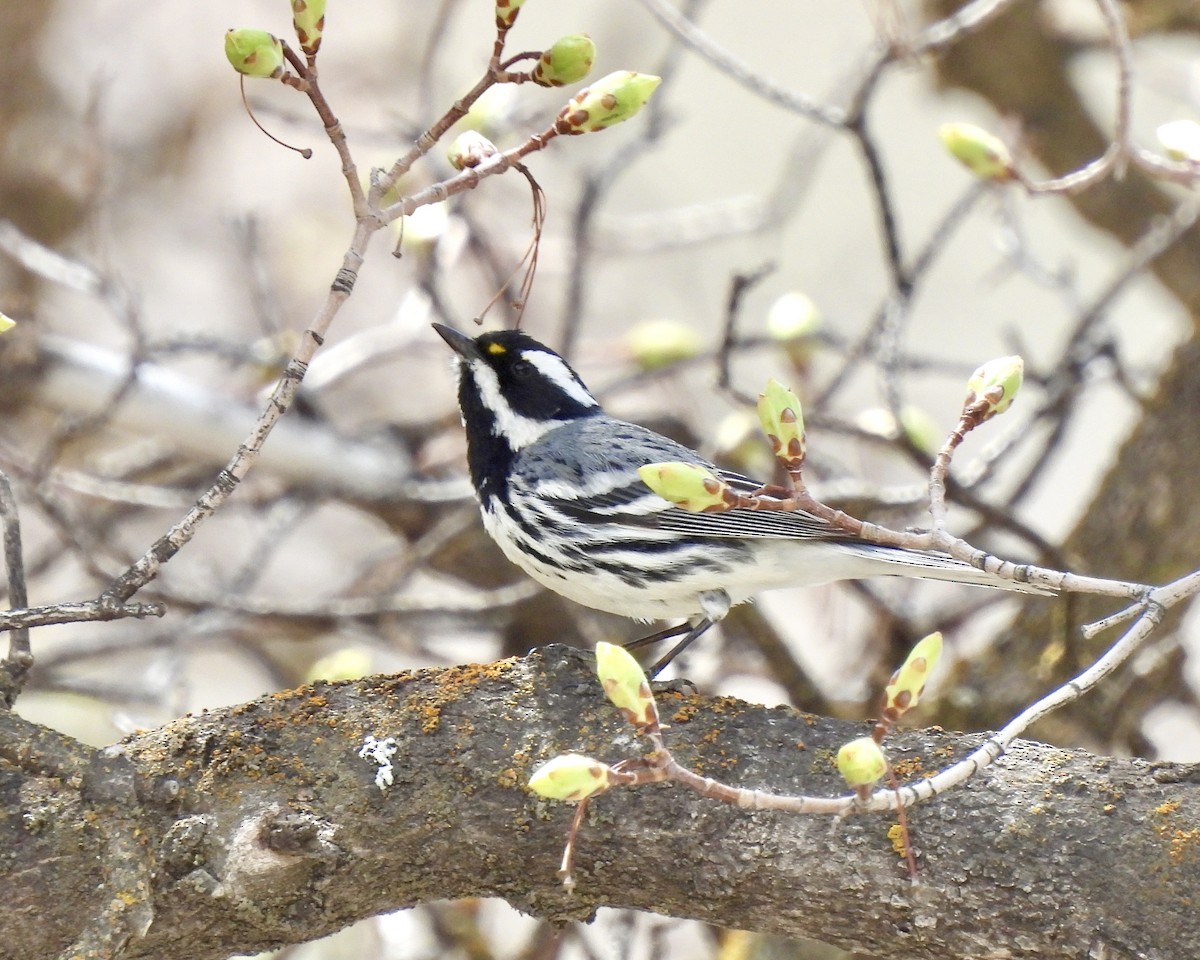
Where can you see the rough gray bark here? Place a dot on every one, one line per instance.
(265, 827)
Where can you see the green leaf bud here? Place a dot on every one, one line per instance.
(861, 762)
(793, 316)
(349, 663)
(1181, 140)
(506, 12)
(571, 777)
(782, 421)
(792, 322)
(308, 17)
(995, 386)
(470, 149)
(920, 428)
(494, 112)
(606, 102)
(738, 441)
(568, 61)
(625, 685)
(660, 343)
(904, 690)
(917, 426)
(254, 53)
(878, 421)
(984, 154)
(687, 485)
(424, 227)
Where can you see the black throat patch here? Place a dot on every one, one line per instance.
(489, 456)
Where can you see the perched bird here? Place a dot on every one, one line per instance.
(559, 492)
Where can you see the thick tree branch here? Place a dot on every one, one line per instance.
(267, 827)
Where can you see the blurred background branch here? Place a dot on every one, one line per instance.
(161, 259)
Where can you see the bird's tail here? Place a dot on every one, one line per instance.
(939, 566)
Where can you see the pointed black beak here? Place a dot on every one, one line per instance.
(460, 343)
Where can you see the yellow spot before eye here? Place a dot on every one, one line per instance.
(496, 349)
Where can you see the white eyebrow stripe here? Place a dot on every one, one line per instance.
(558, 373)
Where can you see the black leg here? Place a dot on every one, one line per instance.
(682, 645)
(661, 635)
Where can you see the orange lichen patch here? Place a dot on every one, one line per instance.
(509, 778)
(279, 696)
(299, 705)
(685, 713)
(439, 688)
(466, 677)
(431, 717)
(907, 769)
(899, 838)
(729, 705)
(1183, 844)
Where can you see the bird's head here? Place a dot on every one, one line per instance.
(512, 388)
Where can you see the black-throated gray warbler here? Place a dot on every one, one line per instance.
(559, 491)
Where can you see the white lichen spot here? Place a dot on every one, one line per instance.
(380, 752)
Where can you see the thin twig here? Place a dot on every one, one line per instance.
(660, 765)
(147, 566)
(86, 611)
(334, 131)
(936, 242)
(469, 178)
(1115, 159)
(966, 20)
(596, 184)
(738, 70)
(739, 286)
(14, 670)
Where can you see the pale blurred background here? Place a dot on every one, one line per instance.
(126, 149)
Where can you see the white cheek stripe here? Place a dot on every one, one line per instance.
(519, 431)
(558, 373)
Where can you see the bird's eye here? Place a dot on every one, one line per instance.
(522, 369)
